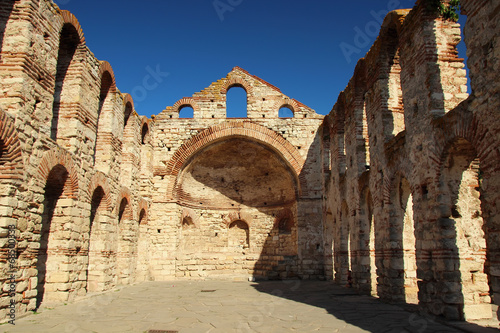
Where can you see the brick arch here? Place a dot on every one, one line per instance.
(395, 20)
(100, 179)
(69, 18)
(237, 216)
(53, 158)
(145, 136)
(284, 213)
(229, 129)
(338, 130)
(236, 81)
(104, 67)
(360, 84)
(186, 102)
(143, 205)
(399, 167)
(11, 159)
(187, 212)
(286, 102)
(364, 181)
(127, 99)
(125, 193)
(462, 123)
(392, 180)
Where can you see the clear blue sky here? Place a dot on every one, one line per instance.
(295, 45)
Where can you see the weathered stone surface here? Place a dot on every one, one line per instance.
(394, 193)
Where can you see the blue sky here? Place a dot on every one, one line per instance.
(295, 45)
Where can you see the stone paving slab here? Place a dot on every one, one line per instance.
(225, 306)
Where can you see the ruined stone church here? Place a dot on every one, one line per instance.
(397, 189)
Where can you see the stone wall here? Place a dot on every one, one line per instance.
(95, 196)
(66, 157)
(214, 173)
(411, 199)
(397, 187)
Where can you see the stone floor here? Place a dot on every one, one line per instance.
(222, 306)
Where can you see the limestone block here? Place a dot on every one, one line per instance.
(58, 277)
(477, 311)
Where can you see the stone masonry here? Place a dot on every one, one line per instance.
(396, 190)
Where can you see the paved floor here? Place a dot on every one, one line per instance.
(218, 306)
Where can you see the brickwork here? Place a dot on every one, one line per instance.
(414, 166)
(394, 192)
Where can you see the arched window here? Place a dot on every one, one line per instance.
(127, 113)
(142, 217)
(106, 83)
(186, 112)
(103, 120)
(145, 134)
(463, 230)
(95, 204)
(94, 255)
(187, 222)
(54, 189)
(68, 43)
(236, 102)
(285, 112)
(285, 225)
(123, 207)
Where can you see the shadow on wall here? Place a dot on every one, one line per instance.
(308, 261)
(256, 194)
(5, 12)
(241, 191)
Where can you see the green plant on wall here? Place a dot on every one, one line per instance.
(447, 11)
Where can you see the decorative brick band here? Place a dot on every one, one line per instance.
(99, 180)
(59, 156)
(11, 159)
(69, 18)
(230, 129)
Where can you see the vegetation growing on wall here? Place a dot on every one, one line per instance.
(447, 11)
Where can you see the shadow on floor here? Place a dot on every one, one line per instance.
(365, 312)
